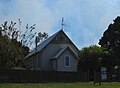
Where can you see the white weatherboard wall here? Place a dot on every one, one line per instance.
(49, 52)
(73, 62)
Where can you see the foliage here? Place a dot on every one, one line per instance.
(11, 31)
(111, 41)
(90, 57)
(12, 51)
(14, 43)
(40, 37)
(27, 37)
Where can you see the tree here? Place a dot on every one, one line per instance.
(111, 41)
(12, 51)
(14, 44)
(40, 37)
(92, 58)
(89, 57)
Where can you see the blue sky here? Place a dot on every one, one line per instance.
(85, 20)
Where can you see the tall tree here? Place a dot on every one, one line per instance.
(14, 44)
(12, 51)
(89, 57)
(111, 40)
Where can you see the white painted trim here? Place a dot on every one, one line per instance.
(65, 62)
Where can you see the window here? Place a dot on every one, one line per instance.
(67, 61)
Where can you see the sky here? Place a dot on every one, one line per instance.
(85, 20)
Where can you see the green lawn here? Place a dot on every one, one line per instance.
(59, 85)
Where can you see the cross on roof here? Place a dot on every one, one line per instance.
(62, 24)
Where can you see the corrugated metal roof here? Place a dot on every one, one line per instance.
(42, 45)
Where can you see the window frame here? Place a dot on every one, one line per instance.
(65, 61)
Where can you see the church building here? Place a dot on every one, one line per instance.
(56, 53)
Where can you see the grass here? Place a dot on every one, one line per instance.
(60, 85)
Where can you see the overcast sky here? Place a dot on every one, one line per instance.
(85, 20)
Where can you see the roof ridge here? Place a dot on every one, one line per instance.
(49, 37)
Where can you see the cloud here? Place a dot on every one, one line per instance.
(85, 20)
(30, 12)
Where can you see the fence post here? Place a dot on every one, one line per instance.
(94, 77)
(88, 76)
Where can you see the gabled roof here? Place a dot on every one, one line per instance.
(62, 51)
(42, 45)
